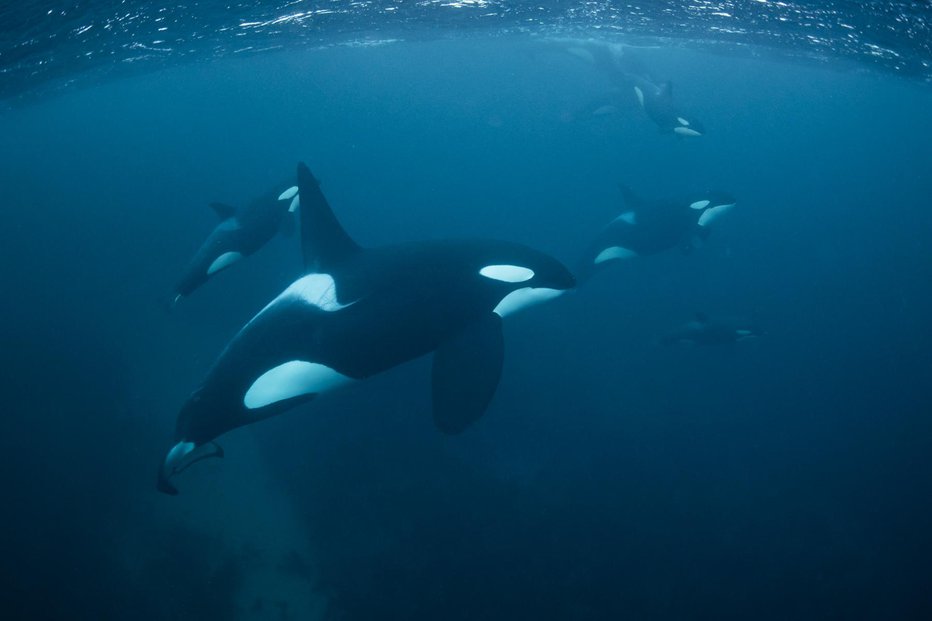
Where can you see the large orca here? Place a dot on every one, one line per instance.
(240, 233)
(705, 331)
(651, 226)
(627, 74)
(360, 311)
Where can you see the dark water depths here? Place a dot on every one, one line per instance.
(612, 477)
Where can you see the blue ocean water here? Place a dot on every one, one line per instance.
(612, 477)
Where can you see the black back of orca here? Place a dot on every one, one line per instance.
(626, 71)
(646, 227)
(658, 104)
(714, 332)
(358, 312)
(240, 233)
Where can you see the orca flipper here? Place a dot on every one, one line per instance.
(223, 210)
(324, 242)
(466, 372)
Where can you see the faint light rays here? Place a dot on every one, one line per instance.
(39, 44)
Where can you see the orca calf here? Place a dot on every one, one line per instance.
(240, 233)
(651, 226)
(626, 74)
(705, 331)
(360, 311)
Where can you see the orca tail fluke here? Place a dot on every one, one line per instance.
(323, 239)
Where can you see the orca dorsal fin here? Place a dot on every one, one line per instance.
(632, 200)
(223, 210)
(324, 242)
(702, 317)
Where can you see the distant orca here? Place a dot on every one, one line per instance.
(627, 73)
(657, 101)
(239, 234)
(359, 311)
(705, 331)
(648, 227)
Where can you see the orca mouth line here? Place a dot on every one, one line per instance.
(181, 457)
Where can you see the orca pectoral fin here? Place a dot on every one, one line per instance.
(223, 210)
(466, 372)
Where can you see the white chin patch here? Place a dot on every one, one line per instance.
(292, 379)
(289, 193)
(615, 252)
(507, 273)
(318, 290)
(710, 215)
(223, 261)
(682, 121)
(629, 216)
(699, 205)
(295, 203)
(178, 452)
(685, 131)
(522, 298)
(640, 94)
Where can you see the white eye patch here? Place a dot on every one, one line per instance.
(289, 193)
(507, 273)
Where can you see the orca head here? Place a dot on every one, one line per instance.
(179, 458)
(199, 421)
(525, 279)
(687, 126)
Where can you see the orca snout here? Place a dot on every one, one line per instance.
(181, 456)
